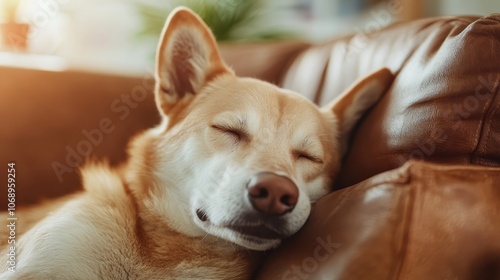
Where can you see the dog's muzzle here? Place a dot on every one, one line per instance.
(270, 198)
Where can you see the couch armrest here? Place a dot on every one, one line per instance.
(420, 221)
(52, 122)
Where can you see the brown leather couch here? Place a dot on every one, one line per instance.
(419, 194)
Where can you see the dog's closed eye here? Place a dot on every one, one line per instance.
(302, 155)
(238, 133)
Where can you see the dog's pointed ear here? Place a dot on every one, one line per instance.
(350, 106)
(187, 58)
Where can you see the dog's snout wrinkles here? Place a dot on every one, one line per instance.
(272, 194)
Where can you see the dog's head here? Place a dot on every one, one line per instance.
(238, 158)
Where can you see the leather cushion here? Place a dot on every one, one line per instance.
(421, 221)
(444, 105)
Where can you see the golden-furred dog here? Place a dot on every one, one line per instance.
(232, 170)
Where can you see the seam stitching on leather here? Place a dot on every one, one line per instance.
(319, 91)
(400, 263)
(486, 121)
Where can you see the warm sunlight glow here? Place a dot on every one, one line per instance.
(8, 9)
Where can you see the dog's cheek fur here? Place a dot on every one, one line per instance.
(163, 171)
(174, 182)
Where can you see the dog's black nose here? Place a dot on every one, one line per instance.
(272, 194)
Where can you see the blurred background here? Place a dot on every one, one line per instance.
(120, 36)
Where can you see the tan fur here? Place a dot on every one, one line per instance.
(140, 221)
(31, 215)
(357, 99)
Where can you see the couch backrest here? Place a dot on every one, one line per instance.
(444, 105)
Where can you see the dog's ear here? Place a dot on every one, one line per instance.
(187, 58)
(350, 106)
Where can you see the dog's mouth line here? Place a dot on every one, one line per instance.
(202, 215)
(255, 230)
(261, 232)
